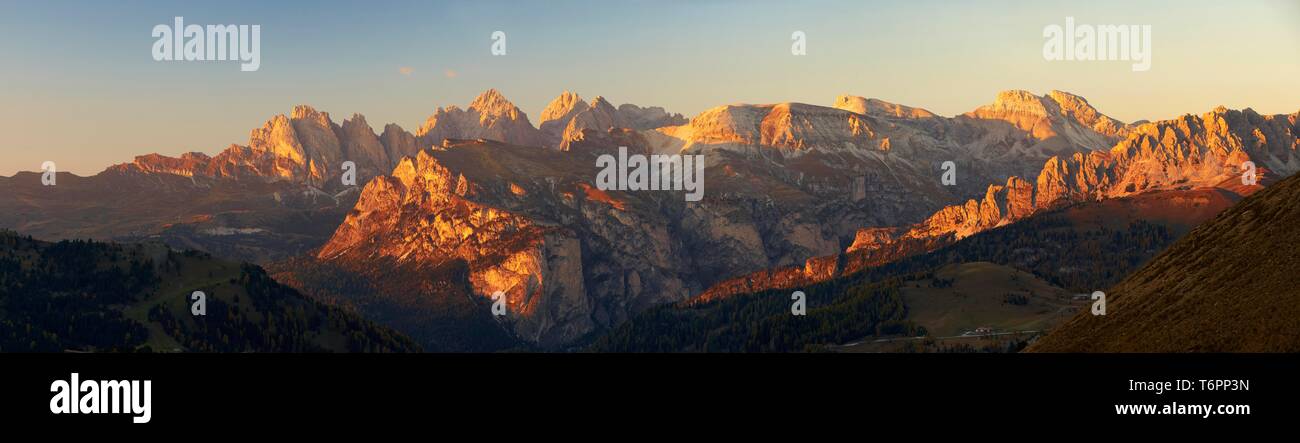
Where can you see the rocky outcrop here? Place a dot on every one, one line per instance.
(187, 165)
(423, 215)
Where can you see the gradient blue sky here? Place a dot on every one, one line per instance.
(78, 85)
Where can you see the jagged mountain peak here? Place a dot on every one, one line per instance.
(420, 165)
(491, 102)
(562, 108)
(356, 124)
(599, 101)
(356, 116)
(308, 112)
(490, 116)
(567, 116)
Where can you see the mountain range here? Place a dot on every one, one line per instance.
(796, 194)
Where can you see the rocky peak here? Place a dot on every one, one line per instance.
(879, 108)
(1021, 101)
(1057, 115)
(424, 173)
(279, 138)
(358, 122)
(398, 143)
(492, 103)
(563, 107)
(1077, 108)
(310, 114)
(323, 152)
(363, 147)
(599, 115)
(195, 156)
(566, 117)
(490, 116)
(651, 117)
(600, 103)
(557, 114)
(1022, 109)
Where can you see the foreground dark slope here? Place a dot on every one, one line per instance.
(1229, 286)
(83, 296)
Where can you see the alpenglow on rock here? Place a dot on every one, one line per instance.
(304, 147)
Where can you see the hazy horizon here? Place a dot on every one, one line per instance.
(82, 89)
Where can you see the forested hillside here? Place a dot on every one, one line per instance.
(86, 296)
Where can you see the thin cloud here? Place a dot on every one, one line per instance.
(406, 70)
(450, 73)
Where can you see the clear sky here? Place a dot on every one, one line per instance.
(78, 84)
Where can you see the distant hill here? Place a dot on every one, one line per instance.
(85, 296)
(1228, 286)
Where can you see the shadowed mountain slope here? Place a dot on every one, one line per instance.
(1228, 286)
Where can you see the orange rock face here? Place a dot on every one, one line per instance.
(304, 147)
(423, 215)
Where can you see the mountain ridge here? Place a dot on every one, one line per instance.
(1212, 146)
